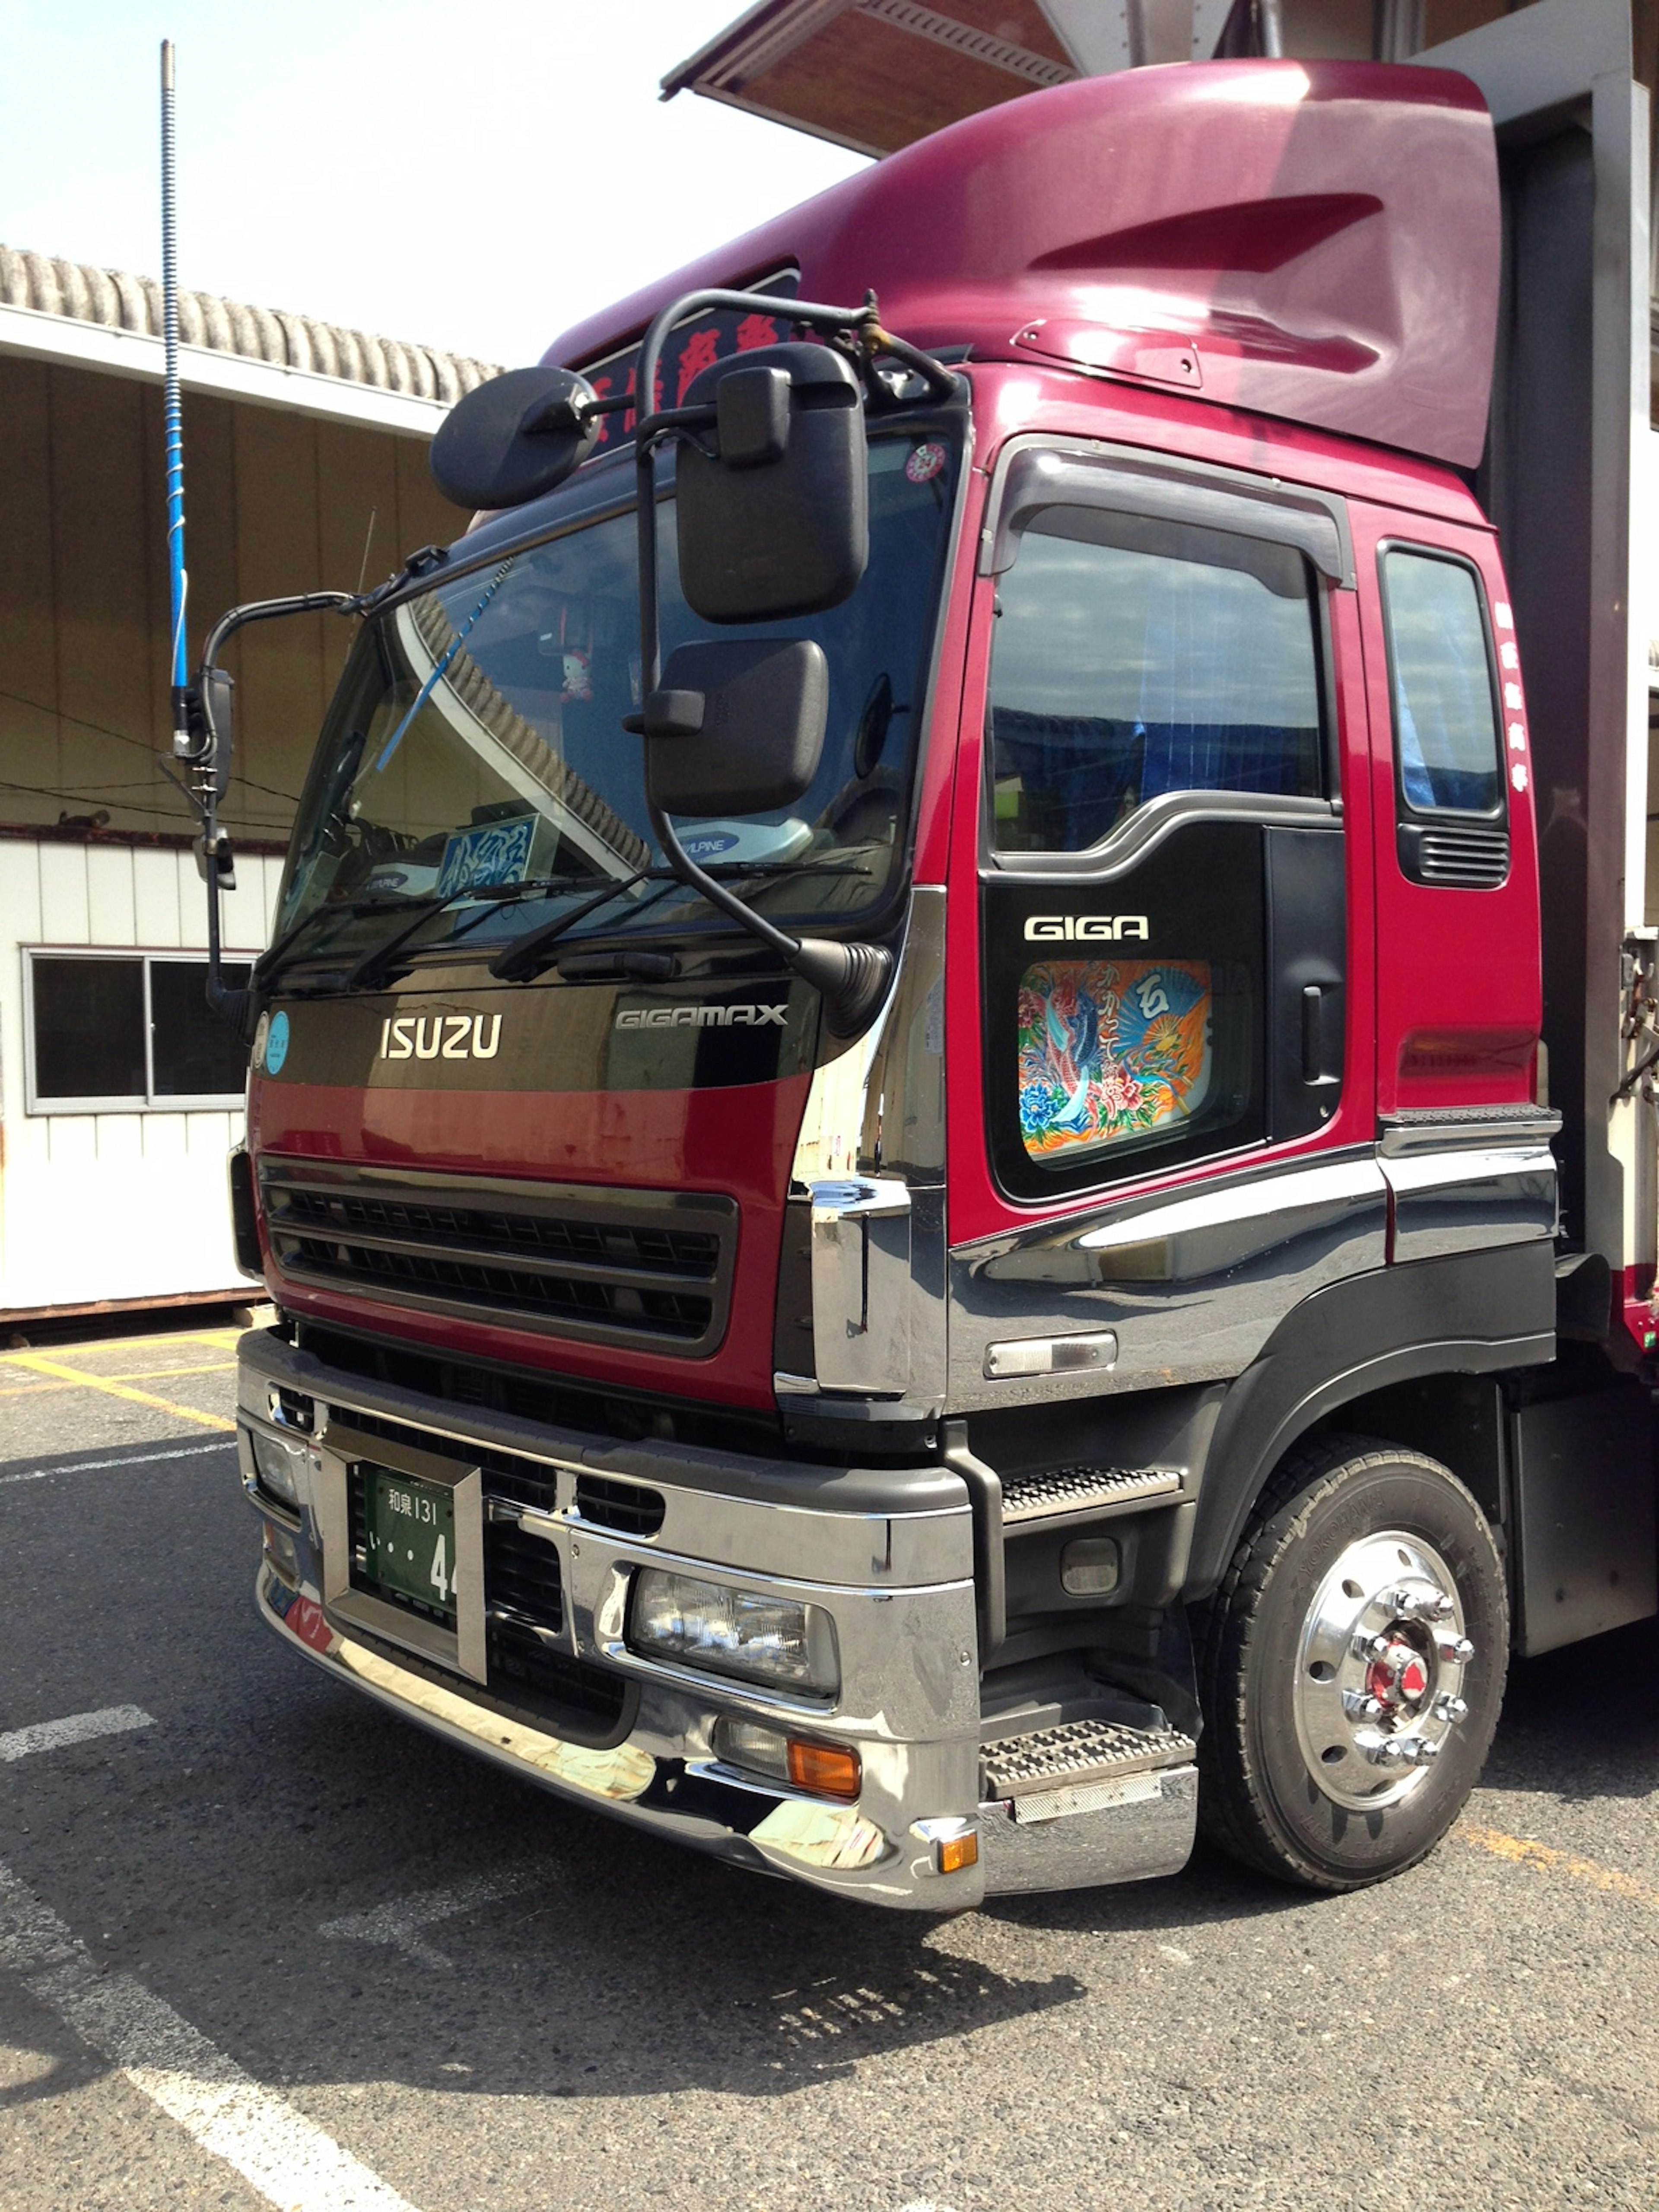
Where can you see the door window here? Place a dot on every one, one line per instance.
(1135, 657)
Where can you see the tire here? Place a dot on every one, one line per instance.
(1365, 1573)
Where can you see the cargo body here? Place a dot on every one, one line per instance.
(1198, 1319)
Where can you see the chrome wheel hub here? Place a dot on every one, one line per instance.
(1380, 1670)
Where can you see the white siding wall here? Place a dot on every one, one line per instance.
(127, 1205)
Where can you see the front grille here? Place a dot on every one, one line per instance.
(614, 1266)
(522, 1581)
(524, 1607)
(1463, 859)
(525, 1481)
(628, 1507)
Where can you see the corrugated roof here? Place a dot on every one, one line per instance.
(124, 302)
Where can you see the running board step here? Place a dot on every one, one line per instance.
(1041, 1773)
(1081, 1490)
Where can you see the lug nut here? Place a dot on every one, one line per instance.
(1450, 1709)
(1367, 1646)
(1362, 1706)
(1455, 1647)
(1403, 1751)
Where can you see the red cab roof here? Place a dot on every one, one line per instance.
(1314, 240)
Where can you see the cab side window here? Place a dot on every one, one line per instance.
(1135, 657)
(1449, 768)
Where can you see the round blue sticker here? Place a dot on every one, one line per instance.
(276, 1044)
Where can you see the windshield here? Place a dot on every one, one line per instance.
(474, 746)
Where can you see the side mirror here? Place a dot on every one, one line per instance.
(514, 438)
(737, 726)
(775, 522)
(218, 696)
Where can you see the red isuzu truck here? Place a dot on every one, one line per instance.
(951, 1113)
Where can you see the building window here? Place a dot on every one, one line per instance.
(115, 1031)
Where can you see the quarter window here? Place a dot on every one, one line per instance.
(1445, 719)
(129, 1030)
(1136, 657)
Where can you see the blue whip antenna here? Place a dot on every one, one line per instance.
(185, 743)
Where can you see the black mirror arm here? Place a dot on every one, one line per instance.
(852, 977)
(204, 762)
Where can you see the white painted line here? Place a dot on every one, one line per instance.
(133, 1459)
(78, 1727)
(397, 1924)
(285, 2156)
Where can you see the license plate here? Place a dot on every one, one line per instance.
(409, 1539)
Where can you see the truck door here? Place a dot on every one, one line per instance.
(1164, 911)
(1457, 922)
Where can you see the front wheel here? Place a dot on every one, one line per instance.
(1352, 1667)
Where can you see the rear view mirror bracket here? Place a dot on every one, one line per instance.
(753, 404)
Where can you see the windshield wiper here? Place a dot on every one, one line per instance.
(525, 957)
(266, 966)
(518, 962)
(374, 968)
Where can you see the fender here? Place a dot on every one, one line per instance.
(1470, 1313)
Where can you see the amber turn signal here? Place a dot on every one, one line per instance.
(826, 1770)
(954, 1853)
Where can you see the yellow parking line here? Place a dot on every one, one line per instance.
(153, 1374)
(42, 1366)
(1548, 1860)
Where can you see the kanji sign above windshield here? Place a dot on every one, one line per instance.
(698, 343)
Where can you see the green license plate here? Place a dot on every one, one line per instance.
(409, 1543)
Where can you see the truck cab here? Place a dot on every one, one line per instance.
(1105, 1372)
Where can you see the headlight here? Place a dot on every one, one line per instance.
(733, 1631)
(278, 1466)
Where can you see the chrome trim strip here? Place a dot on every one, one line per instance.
(1129, 1830)
(1151, 824)
(861, 1275)
(1468, 1201)
(876, 1113)
(1191, 1283)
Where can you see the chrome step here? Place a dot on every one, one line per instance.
(1064, 1769)
(1071, 1490)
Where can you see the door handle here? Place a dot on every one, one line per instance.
(1313, 1033)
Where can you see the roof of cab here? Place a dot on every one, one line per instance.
(1314, 240)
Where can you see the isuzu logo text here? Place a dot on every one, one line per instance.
(701, 1018)
(441, 1036)
(1091, 928)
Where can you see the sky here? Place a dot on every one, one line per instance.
(471, 177)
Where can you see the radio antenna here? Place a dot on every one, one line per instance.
(184, 742)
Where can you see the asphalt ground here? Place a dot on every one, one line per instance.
(251, 1925)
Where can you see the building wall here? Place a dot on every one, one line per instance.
(275, 502)
(129, 1206)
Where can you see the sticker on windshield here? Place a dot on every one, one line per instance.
(276, 1044)
(925, 462)
(487, 853)
(1110, 1050)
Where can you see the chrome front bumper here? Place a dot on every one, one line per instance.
(889, 1556)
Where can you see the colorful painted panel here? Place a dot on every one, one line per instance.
(1110, 1050)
